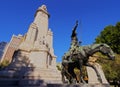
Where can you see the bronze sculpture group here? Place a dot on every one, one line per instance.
(78, 56)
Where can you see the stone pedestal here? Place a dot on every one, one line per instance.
(77, 85)
(92, 77)
(38, 59)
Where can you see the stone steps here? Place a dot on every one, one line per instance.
(40, 83)
(22, 83)
(31, 82)
(9, 82)
(49, 75)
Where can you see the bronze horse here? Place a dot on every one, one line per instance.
(80, 58)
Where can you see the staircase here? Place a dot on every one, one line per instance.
(22, 73)
(48, 75)
(40, 83)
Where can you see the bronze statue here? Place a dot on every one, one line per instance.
(77, 56)
(74, 39)
(74, 43)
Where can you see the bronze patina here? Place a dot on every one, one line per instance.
(77, 56)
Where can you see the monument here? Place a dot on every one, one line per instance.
(39, 41)
(35, 62)
(38, 45)
(78, 56)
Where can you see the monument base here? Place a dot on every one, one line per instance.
(78, 85)
(41, 83)
(93, 79)
(23, 69)
(47, 75)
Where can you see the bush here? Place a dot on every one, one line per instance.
(4, 64)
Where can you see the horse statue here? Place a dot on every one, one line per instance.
(80, 57)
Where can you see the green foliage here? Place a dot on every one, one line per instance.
(4, 63)
(58, 66)
(110, 68)
(111, 36)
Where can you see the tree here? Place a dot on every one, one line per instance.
(110, 68)
(4, 64)
(111, 36)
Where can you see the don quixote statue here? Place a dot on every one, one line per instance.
(78, 56)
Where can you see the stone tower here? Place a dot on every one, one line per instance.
(39, 41)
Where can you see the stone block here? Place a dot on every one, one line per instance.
(31, 82)
(8, 82)
(92, 74)
(78, 85)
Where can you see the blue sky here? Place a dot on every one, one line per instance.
(17, 15)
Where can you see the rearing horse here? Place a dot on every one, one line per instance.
(81, 57)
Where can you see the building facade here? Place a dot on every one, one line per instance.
(11, 47)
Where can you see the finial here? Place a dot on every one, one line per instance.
(43, 7)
